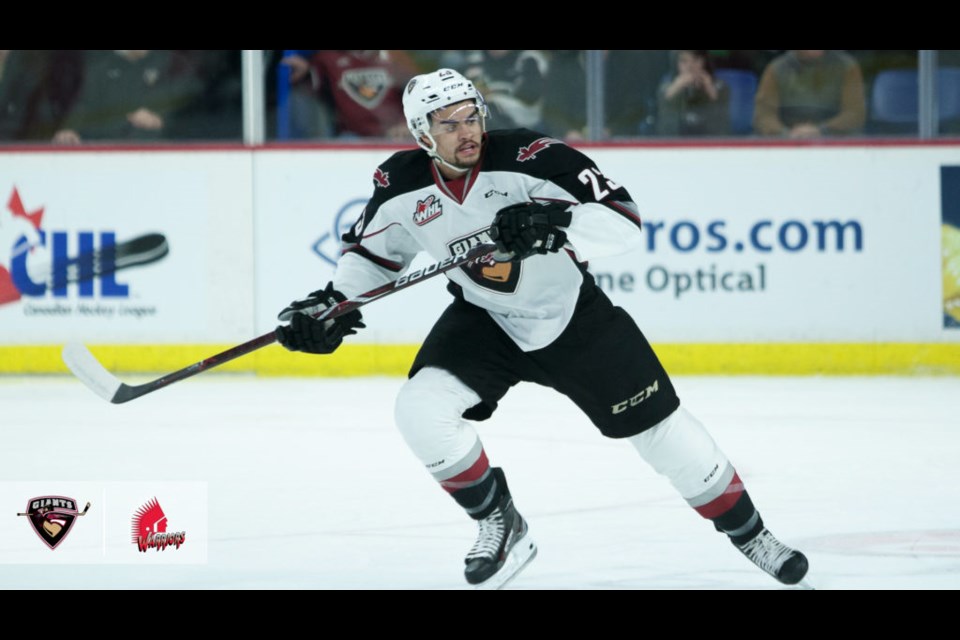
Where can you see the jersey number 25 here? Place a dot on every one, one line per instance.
(593, 177)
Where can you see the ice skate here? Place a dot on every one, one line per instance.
(503, 548)
(787, 565)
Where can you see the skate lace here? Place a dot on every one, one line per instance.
(767, 552)
(491, 534)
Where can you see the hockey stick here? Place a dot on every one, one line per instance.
(93, 374)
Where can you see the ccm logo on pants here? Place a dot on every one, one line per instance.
(620, 407)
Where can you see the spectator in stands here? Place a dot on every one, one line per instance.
(691, 101)
(810, 93)
(565, 95)
(631, 83)
(37, 88)
(362, 89)
(512, 83)
(631, 79)
(126, 95)
(309, 114)
(216, 110)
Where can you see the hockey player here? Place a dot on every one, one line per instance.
(528, 312)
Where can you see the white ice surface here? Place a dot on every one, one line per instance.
(310, 485)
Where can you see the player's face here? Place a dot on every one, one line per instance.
(458, 132)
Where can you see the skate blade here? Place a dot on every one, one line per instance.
(519, 557)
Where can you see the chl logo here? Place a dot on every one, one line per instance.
(52, 517)
(36, 263)
(150, 529)
(427, 210)
(633, 401)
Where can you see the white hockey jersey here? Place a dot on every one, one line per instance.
(413, 210)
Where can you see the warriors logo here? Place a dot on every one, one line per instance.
(52, 517)
(150, 529)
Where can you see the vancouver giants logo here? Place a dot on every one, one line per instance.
(427, 210)
(530, 151)
(36, 263)
(381, 178)
(52, 518)
(367, 87)
(149, 529)
(502, 277)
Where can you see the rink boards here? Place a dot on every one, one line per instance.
(757, 259)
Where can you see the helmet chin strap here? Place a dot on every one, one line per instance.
(431, 151)
(439, 160)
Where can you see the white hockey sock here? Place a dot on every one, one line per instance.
(428, 413)
(681, 449)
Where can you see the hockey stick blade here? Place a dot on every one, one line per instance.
(90, 372)
(95, 376)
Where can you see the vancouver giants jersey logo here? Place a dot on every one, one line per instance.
(381, 178)
(427, 210)
(530, 151)
(367, 87)
(502, 277)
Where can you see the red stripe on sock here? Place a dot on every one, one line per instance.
(474, 473)
(724, 502)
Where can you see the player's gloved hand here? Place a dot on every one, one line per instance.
(531, 227)
(304, 333)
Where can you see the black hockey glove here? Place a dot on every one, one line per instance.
(304, 333)
(531, 227)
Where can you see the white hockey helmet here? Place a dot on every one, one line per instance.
(431, 91)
